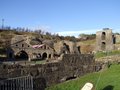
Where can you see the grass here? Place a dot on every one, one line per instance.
(103, 54)
(109, 80)
(38, 62)
(89, 42)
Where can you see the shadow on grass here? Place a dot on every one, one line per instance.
(109, 87)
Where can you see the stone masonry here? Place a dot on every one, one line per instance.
(71, 66)
(105, 40)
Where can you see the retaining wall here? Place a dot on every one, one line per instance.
(71, 66)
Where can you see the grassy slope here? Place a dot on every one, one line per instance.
(88, 42)
(104, 54)
(109, 80)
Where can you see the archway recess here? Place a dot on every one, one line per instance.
(44, 56)
(22, 55)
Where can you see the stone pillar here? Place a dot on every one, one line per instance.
(30, 56)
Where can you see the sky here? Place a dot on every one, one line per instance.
(65, 17)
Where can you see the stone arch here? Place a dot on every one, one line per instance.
(103, 35)
(49, 56)
(67, 47)
(103, 46)
(114, 39)
(39, 56)
(44, 55)
(22, 55)
(79, 49)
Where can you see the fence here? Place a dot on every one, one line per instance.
(18, 83)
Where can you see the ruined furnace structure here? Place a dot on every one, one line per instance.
(105, 40)
(21, 49)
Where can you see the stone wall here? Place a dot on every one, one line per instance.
(117, 39)
(71, 66)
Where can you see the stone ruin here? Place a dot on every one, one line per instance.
(21, 49)
(105, 40)
(72, 63)
(66, 47)
(69, 67)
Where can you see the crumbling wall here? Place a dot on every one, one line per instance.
(71, 66)
(71, 45)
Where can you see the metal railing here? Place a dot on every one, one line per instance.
(18, 83)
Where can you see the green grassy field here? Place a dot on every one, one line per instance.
(108, 79)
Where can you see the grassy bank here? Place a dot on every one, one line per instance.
(105, 80)
(104, 54)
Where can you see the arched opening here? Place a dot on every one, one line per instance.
(49, 55)
(78, 49)
(44, 56)
(103, 46)
(114, 39)
(22, 55)
(39, 56)
(103, 35)
(65, 49)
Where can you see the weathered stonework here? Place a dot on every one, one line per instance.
(67, 47)
(20, 48)
(71, 66)
(104, 40)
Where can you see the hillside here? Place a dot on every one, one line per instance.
(37, 36)
(103, 80)
(6, 35)
(87, 46)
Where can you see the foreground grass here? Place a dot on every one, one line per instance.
(105, 80)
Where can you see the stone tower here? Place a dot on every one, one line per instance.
(104, 40)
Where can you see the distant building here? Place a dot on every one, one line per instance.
(105, 40)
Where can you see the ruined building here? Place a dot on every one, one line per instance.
(105, 40)
(21, 49)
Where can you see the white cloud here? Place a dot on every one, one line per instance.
(76, 33)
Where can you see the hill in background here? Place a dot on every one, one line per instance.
(85, 41)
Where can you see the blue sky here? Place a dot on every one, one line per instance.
(66, 17)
